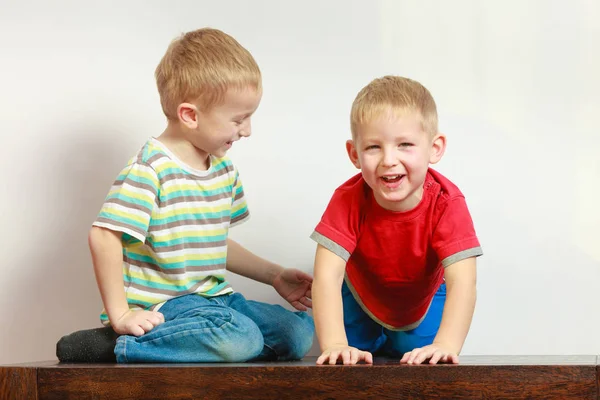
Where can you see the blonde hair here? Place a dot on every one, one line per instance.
(398, 96)
(201, 66)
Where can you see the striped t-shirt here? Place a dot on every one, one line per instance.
(174, 221)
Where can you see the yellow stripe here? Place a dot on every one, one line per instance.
(124, 214)
(188, 234)
(217, 185)
(136, 195)
(238, 207)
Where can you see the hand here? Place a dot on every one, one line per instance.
(137, 323)
(434, 353)
(294, 286)
(349, 355)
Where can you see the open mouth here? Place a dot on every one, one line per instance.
(392, 178)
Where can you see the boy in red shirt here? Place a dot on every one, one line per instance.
(394, 239)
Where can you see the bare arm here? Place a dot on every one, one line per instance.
(461, 295)
(327, 299)
(291, 284)
(328, 311)
(248, 264)
(107, 257)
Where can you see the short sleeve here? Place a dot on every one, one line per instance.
(239, 207)
(454, 237)
(129, 205)
(339, 227)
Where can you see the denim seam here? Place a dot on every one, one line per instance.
(179, 332)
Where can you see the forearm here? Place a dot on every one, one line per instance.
(328, 314)
(107, 257)
(458, 313)
(327, 299)
(249, 265)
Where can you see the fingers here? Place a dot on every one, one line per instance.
(137, 323)
(303, 276)
(298, 306)
(348, 356)
(437, 356)
(306, 301)
(432, 353)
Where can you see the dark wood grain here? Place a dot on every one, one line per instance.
(18, 383)
(481, 377)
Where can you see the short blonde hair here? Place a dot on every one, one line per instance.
(397, 95)
(201, 66)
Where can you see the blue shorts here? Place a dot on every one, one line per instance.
(365, 334)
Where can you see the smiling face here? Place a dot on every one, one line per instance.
(226, 123)
(393, 152)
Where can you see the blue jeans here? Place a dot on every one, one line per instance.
(365, 334)
(225, 328)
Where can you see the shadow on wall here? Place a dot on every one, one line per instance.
(55, 292)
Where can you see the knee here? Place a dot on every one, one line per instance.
(299, 337)
(245, 344)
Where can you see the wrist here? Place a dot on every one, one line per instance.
(334, 344)
(273, 272)
(447, 345)
(115, 315)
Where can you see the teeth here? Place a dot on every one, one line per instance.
(391, 177)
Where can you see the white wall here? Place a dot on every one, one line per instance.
(517, 94)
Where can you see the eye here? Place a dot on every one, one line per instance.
(371, 147)
(405, 144)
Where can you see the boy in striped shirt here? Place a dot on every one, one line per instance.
(160, 245)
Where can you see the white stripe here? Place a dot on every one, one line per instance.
(117, 228)
(127, 210)
(196, 204)
(199, 229)
(189, 252)
(139, 191)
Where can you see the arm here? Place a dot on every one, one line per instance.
(328, 310)
(245, 263)
(107, 257)
(291, 284)
(461, 294)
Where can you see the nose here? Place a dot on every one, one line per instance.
(246, 129)
(389, 158)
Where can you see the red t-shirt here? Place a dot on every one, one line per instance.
(395, 260)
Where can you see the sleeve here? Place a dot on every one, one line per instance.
(339, 226)
(130, 202)
(239, 207)
(454, 237)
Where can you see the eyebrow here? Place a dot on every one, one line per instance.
(242, 116)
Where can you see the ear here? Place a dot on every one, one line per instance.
(352, 153)
(187, 113)
(438, 147)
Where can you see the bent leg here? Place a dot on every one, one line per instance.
(287, 335)
(196, 329)
(400, 342)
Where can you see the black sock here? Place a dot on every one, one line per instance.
(90, 346)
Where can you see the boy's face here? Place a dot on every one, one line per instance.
(214, 130)
(394, 154)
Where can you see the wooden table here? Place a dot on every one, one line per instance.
(481, 377)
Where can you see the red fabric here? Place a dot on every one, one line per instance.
(395, 257)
